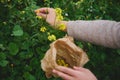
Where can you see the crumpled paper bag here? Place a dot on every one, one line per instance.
(65, 53)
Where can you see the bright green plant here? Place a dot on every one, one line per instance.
(25, 37)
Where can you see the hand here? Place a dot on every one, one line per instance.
(50, 15)
(77, 73)
(47, 13)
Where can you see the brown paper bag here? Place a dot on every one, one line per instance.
(65, 53)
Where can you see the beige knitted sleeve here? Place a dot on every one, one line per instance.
(99, 32)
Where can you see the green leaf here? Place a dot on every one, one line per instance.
(13, 48)
(2, 56)
(28, 76)
(27, 68)
(17, 31)
(25, 44)
(22, 55)
(79, 44)
(118, 51)
(3, 63)
(35, 62)
(2, 47)
(25, 55)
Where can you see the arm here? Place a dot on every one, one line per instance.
(100, 32)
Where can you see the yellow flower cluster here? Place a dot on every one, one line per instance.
(59, 17)
(51, 37)
(38, 17)
(61, 27)
(58, 14)
(61, 62)
(43, 29)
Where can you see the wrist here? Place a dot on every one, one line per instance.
(60, 25)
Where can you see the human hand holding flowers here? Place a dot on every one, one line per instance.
(52, 18)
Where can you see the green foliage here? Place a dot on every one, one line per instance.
(13, 48)
(3, 63)
(23, 45)
(17, 31)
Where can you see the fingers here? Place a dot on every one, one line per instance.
(41, 10)
(45, 12)
(42, 15)
(62, 75)
(66, 70)
(77, 73)
(79, 68)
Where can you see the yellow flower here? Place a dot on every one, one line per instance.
(43, 29)
(52, 37)
(81, 0)
(58, 14)
(37, 11)
(59, 17)
(58, 10)
(48, 33)
(61, 27)
(45, 0)
(97, 17)
(4, 23)
(61, 62)
(11, 65)
(22, 12)
(8, 0)
(87, 17)
(38, 17)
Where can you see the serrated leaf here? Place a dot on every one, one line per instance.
(13, 48)
(17, 31)
(3, 63)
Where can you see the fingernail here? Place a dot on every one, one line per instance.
(53, 70)
(37, 11)
(74, 66)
